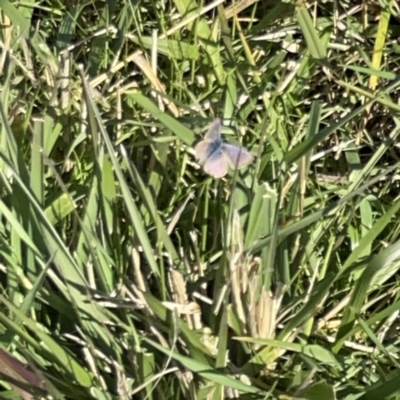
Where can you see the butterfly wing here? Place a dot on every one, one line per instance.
(216, 165)
(206, 147)
(237, 157)
(214, 132)
(202, 150)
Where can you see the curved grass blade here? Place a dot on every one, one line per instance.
(314, 43)
(360, 291)
(130, 204)
(180, 131)
(204, 370)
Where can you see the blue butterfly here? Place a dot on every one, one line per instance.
(216, 156)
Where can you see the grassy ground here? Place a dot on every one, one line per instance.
(129, 273)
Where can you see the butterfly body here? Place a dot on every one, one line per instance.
(214, 148)
(217, 156)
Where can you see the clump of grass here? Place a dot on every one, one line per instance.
(127, 272)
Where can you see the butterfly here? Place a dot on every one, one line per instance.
(216, 156)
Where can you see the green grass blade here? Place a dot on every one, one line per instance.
(314, 44)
